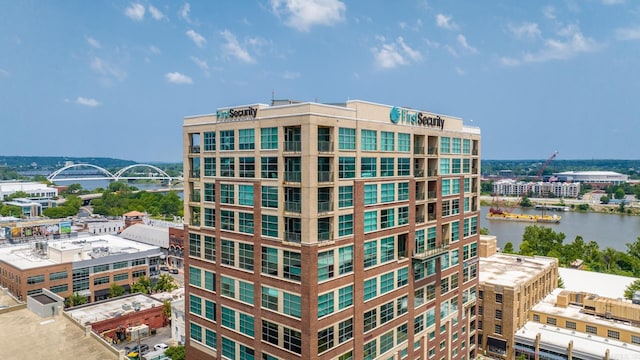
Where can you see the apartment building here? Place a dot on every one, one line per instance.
(85, 265)
(330, 231)
(510, 285)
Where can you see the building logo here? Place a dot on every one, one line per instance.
(236, 114)
(403, 116)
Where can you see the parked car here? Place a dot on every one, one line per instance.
(144, 348)
(161, 346)
(174, 271)
(164, 268)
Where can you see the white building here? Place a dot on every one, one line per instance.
(177, 321)
(510, 187)
(593, 177)
(35, 190)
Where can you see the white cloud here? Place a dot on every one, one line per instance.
(393, 54)
(156, 13)
(445, 22)
(154, 49)
(431, 43)
(233, 48)
(184, 12)
(573, 43)
(631, 33)
(525, 30)
(451, 50)
(290, 75)
(198, 39)
(4, 73)
(202, 64)
(462, 41)
(509, 61)
(302, 15)
(178, 78)
(87, 101)
(107, 69)
(549, 12)
(135, 12)
(93, 42)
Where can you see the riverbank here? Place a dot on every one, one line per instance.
(575, 205)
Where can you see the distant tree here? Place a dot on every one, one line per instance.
(166, 311)
(115, 290)
(583, 207)
(619, 193)
(72, 189)
(604, 199)
(176, 352)
(540, 240)
(621, 207)
(508, 248)
(10, 210)
(18, 194)
(632, 288)
(143, 285)
(526, 202)
(484, 231)
(486, 187)
(75, 300)
(165, 283)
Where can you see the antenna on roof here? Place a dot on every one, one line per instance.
(273, 96)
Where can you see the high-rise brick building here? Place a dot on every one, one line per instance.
(330, 231)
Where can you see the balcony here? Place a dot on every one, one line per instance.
(294, 237)
(433, 172)
(325, 176)
(325, 236)
(420, 195)
(433, 150)
(418, 173)
(431, 195)
(194, 149)
(292, 176)
(194, 174)
(292, 146)
(325, 146)
(195, 221)
(420, 219)
(325, 206)
(431, 216)
(195, 197)
(418, 150)
(293, 206)
(432, 252)
(474, 152)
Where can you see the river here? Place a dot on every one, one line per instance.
(608, 230)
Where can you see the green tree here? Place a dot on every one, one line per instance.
(166, 311)
(632, 288)
(604, 199)
(484, 231)
(18, 194)
(619, 194)
(165, 283)
(508, 248)
(526, 202)
(560, 282)
(610, 257)
(75, 300)
(143, 285)
(540, 240)
(176, 352)
(10, 210)
(115, 290)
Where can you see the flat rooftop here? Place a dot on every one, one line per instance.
(7, 300)
(548, 306)
(28, 256)
(582, 342)
(28, 336)
(108, 309)
(511, 270)
(608, 285)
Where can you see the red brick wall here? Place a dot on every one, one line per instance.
(151, 317)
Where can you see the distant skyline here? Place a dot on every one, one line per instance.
(116, 78)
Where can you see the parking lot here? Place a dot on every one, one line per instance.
(163, 335)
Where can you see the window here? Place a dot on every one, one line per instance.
(536, 317)
(368, 167)
(269, 138)
(402, 277)
(325, 304)
(591, 329)
(270, 332)
(570, 325)
(209, 166)
(370, 221)
(370, 319)
(345, 297)
(325, 339)
(386, 342)
(325, 265)
(368, 140)
(291, 304)
(246, 324)
(292, 265)
(245, 195)
(386, 312)
(403, 215)
(227, 166)
(245, 223)
(270, 225)
(347, 167)
(209, 141)
(227, 193)
(227, 220)
(116, 265)
(195, 305)
(635, 339)
(227, 256)
(387, 249)
(227, 287)
(404, 169)
(387, 192)
(403, 191)
(245, 255)
(498, 314)
(370, 351)
(269, 261)
(209, 220)
(345, 259)
(345, 196)
(386, 283)
(370, 253)
(270, 298)
(269, 168)
(498, 329)
(499, 298)
(246, 139)
(387, 166)
(195, 276)
(387, 141)
(59, 288)
(196, 332)
(227, 141)
(404, 142)
(387, 218)
(347, 139)
(96, 269)
(292, 340)
(370, 288)
(228, 348)
(345, 330)
(345, 225)
(613, 334)
(209, 280)
(247, 167)
(62, 275)
(445, 145)
(370, 194)
(270, 196)
(101, 280)
(120, 277)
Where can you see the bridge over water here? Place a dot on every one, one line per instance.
(74, 172)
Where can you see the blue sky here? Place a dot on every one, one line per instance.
(116, 78)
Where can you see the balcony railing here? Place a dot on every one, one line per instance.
(474, 152)
(292, 146)
(325, 176)
(419, 150)
(325, 206)
(194, 173)
(293, 206)
(433, 172)
(292, 237)
(325, 146)
(195, 221)
(194, 149)
(432, 252)
(325, 236)
(292, 176)
(195, 197)
(431, 216)
(420, 219)
(433, 150)
(420, 195)
(431, 195)
(418, 173)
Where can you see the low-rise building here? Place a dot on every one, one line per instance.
(34, 190)
(511, 187)
(510, 285)
(86, 266)
(178, 321)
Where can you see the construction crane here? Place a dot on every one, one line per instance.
(496, 211)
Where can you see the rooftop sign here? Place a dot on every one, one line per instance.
(402, 116)
(237, 114)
